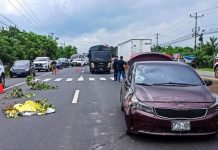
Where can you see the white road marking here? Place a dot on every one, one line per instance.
(80, 78)
(69, 79)
(112, 78)
(102, 79)
(76, 96)
(36, 80)
(17, 84)
(91, 79)
(46, 80)
(58, 79)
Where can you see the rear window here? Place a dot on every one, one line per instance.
(164, 73)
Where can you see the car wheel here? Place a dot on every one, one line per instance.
(216, 72)
(2, 80)
(48, 69)
(11, 76)
(128, 132)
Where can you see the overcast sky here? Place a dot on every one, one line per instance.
(84, 23)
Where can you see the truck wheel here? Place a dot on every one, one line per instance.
(216, 72)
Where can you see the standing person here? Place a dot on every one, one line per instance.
(53, 67)
(121, 69)
(115, 67)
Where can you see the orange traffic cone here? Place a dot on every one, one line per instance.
(1, 88)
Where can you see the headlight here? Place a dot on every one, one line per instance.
(109, 65)
(136, 104)
(27, 69)
(214, 108)
(92, 65)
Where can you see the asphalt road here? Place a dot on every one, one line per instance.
(88, 117)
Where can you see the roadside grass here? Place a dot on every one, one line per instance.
(206, 69)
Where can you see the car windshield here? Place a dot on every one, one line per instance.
(21, 63)
(162, 74)
(101, 55)
(62, 59)
(41, 59)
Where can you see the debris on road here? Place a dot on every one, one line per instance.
(36, 85)
(18, 93)
(29, 108)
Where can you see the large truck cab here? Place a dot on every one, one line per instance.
(100, 58)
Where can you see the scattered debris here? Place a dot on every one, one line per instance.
(36, 85)
(29, 108)
(18, 93)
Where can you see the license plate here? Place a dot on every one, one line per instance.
(180, 125)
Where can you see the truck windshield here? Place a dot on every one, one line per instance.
(101, 55)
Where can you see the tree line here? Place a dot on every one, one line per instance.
(205, 52)
(17, 45)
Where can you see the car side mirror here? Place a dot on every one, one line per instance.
(208, 82)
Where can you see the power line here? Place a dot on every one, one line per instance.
(178, 40)
(3, 23)
(28, 13)
(33, 14)
(22, 14)
(209, 9)
(10, 21)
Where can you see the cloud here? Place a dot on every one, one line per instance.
(89, 22)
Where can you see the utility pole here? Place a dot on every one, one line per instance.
(196, 16)
(157, 41)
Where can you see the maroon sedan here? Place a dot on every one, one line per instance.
(168, 98)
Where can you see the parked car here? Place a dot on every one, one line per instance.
(65, 62)
(59, 64)
(42, 63)
(86, 60)
(78, 62)
(167, 98)
(2, 73)
(22, 68)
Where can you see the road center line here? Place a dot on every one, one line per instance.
(75, 98)
(58, 79)
(17, 84)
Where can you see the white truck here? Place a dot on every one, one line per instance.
(132, 46)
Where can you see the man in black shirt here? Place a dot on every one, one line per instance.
(115, 67)
(121, 69)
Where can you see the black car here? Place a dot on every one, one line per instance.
(22, 68)
(65, 62)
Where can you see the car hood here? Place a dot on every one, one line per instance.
(20, 67)
(168, 94)
(40, 62)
